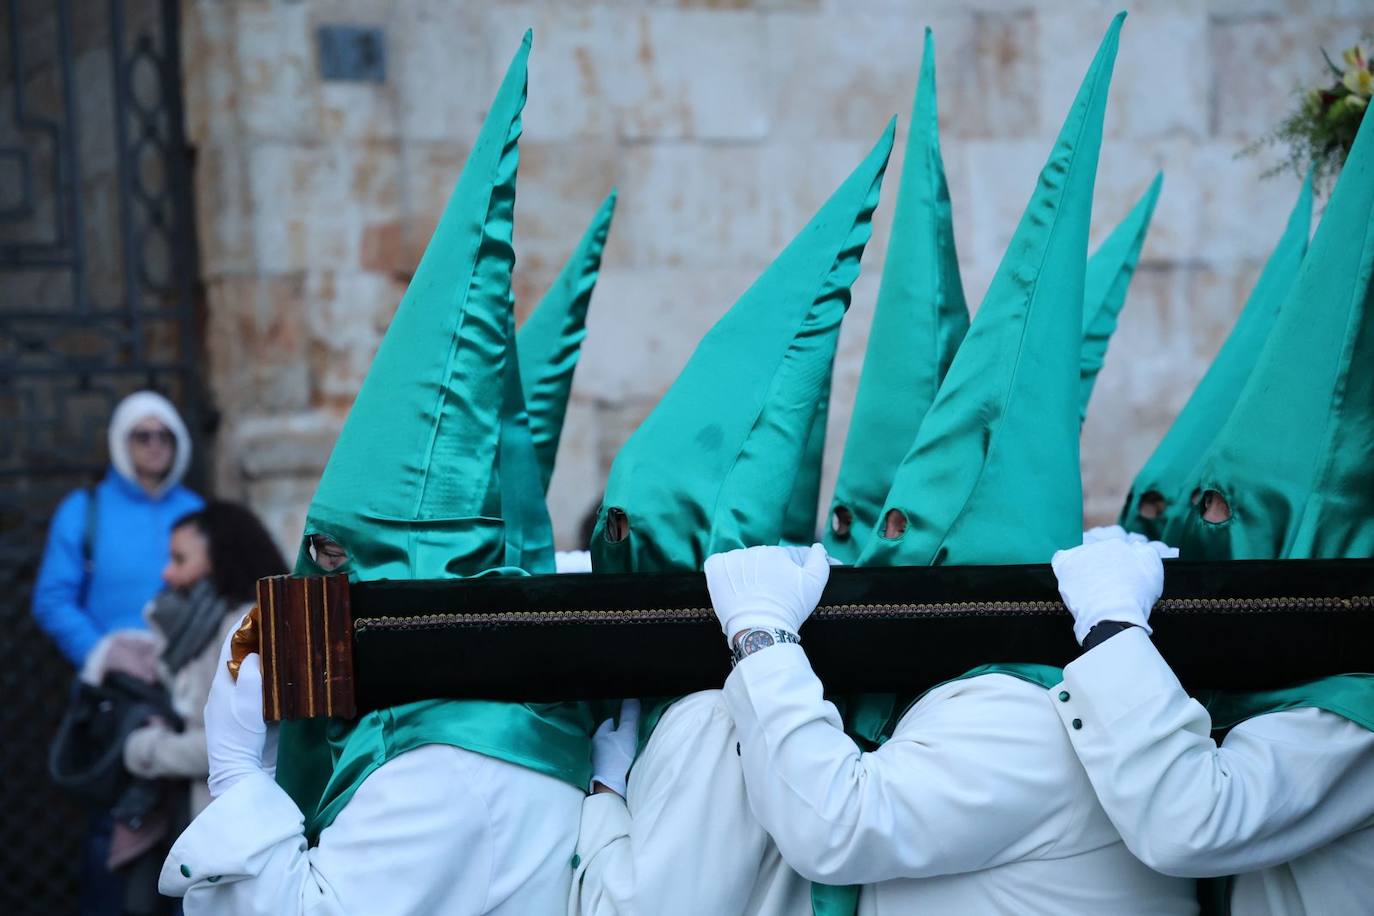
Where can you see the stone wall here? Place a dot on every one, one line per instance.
(724, 124)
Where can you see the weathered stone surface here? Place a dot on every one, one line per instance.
(256, 344)
(695, 75)
(347, 314)
(289, 444)
(210, 72)
(626, 354)
(429, 173)
(577, 67)
(1249, 101)
(560, 187)
(1159, 88)
(281, 502)
(224, 213)
(724, 125)
(276, 94)
(840, 75)
(988, 73)
(440, 61)
(296, 192)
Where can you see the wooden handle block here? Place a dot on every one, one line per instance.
(307, 640)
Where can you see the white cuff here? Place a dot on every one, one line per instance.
(227, 841)
(1109, 681)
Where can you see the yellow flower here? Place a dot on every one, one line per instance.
(1359, 81)
(1354, 57)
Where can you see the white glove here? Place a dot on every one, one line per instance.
(1116, 532)
(1113, 579)
(572, 561)
(1110, 533)
(235, 734)
(613, 748)
(766, 586)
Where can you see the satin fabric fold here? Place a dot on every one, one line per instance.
(549, 738)
(713, 465)
(520, 494)
(799, 520)
(434, 476)
(1106, 282)
(550, 340)
(1292, 461)
(919, 320)
(993, 475)
(1168, 476)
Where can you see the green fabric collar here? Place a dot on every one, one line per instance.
(549, 738)
(843, 900)
(1350, 696)
(434, 475)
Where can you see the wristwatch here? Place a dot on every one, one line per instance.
(1104, 631)
(747, 642)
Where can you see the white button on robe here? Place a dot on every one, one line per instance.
(1286, 803)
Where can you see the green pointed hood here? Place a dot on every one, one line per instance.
(993, 474)
(551, 340)
(712, 466)
(1292, 461)
(918, 322)
(1160, 496)
(435, 453)
(406, 489)
(1105, 284)
(799, 521)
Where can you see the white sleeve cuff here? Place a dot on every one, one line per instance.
(229, 840)
(1112, 679)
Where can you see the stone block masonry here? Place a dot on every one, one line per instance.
(724, 124)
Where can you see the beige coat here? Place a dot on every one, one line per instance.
(158, 752)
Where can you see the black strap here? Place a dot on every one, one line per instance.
(1103, 632)
(88, 541)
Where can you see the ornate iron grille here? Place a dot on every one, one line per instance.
(97, 299)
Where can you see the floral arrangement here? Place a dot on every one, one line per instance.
(1320, 133)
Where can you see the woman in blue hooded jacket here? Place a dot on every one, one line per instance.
(107, 544)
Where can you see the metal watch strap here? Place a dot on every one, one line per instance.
(747, 642)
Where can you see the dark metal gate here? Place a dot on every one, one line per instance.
(98, 298)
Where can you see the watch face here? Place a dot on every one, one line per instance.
(755, 640)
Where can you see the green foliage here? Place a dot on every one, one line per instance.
(1319, 134)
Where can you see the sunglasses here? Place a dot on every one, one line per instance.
(149, 436)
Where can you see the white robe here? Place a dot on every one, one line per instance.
(684, 840)
(976, 804)
(436, 831)
(1286, 803)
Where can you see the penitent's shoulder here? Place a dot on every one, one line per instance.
(988, 705)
